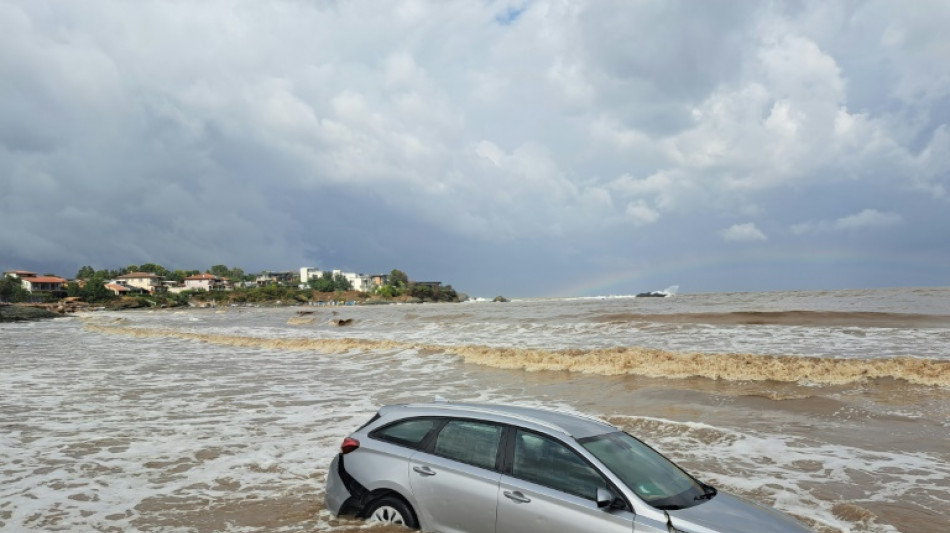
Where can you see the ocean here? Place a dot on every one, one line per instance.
(831, 406)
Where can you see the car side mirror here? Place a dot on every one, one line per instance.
(606, 499)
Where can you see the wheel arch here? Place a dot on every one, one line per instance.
(378, 494)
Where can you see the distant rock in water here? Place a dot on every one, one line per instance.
(665, 293)
(341, 321)
(501, 299)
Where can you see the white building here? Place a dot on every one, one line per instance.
(360, 282)
(151, 283)
(44, 284)
(268, 277)
(206, 282)
(309, 273)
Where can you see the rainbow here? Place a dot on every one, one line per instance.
(649, 276)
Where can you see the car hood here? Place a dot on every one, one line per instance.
(726, 513)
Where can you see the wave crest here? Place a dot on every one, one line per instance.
(639, 361)
(867, 319)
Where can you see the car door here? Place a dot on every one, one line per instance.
(550, 488)
(456, 480)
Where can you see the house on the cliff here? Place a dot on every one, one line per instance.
(39, 285)
(359, 282)
(147, 281)
(268, 277)
(207, 282)
(120, 289)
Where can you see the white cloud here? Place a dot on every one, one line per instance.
(459, 120)
(868, 218)
(865, 219)
(641, 214)
(743, 233)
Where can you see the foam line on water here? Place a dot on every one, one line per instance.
(641, 361)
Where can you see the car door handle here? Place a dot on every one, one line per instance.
(516, 496)
(424, 470)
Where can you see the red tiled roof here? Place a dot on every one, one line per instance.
(198, 277)
(44, 279)
(117, 287)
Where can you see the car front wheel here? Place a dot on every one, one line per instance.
(391, 510)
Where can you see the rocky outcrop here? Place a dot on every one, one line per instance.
(13, 313)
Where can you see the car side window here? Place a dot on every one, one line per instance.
(410, 433)
(547, 462)
(475, 443)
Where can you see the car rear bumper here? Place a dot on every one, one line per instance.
(337, 494)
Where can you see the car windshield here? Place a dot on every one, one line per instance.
(655, 479)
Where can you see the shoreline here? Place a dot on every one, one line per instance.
(19, 311)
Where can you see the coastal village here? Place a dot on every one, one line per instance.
(138, 288)
(149, 283)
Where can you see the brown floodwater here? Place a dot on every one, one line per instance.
(226, 420)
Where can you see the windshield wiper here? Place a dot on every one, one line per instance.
(708, 493)
(670, 507)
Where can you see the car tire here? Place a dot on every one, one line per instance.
(392, 510)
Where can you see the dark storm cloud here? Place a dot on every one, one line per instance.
(530, 147)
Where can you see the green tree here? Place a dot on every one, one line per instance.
(158, 270)
(323, 284)
(72, 289)
(108, 274)
(95, 288)
(448, 294)
(340, 283)
(221, 271)
(85, 272)
(398, 278)
(11, 290)
(423, 292)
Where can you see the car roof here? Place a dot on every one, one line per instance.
(574, 425)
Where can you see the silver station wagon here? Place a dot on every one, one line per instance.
(473, 468)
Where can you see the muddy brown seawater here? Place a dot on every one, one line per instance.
(226, 420)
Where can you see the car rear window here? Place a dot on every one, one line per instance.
(411, 432)
(468, 441)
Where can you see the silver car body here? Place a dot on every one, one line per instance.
(449, 496)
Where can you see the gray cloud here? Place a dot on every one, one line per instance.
(483, 143)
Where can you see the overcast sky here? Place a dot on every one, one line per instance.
(524, 148)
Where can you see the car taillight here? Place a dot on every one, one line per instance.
(349, 445)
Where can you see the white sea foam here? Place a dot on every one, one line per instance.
(173, 433)
(96, 449)
(795, 474)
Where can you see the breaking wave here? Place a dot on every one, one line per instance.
(639, 361)
(788, 318)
